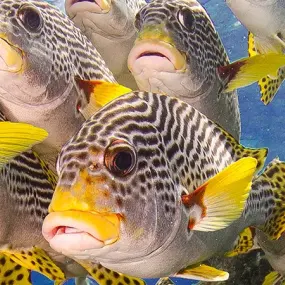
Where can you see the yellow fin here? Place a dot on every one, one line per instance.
(244, 243)
(98, 93)
(222, 198)
(250, 70)
(13, 273)
(273, 278)
(270, 187)
(36, 259)
(252, 51)
(16, 138)
(204, 273)
(269, 87)
(103, 275)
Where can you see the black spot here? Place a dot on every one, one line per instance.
(20, 277)
(8, 273)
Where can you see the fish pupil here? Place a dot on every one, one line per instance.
(123, 161)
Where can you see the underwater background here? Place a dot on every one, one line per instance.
(261, 125)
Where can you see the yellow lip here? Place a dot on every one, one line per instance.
(103, 227)
(11, 55)
(154, 39)
(105, 5)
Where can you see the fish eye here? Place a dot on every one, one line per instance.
(186, 18)
(30, 17)
(120, 158)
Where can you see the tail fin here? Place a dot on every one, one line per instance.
(266, 202)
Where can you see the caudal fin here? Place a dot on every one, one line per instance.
(266, 202)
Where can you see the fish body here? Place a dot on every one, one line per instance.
(177, 53)
(41, 51)
(109, 25)
(266, 24)
(134, 176)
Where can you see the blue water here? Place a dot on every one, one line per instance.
(261, 124)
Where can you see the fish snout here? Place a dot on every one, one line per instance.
(73, 7)
(74, 232)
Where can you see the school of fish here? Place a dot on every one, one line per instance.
(120, 157)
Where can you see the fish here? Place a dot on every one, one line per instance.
(264, 21)
(41, 52)
(26, 188)
(178, 52)
(109, 25)
(154, 188)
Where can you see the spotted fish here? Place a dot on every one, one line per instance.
(41, 51)
(179, 52)
(154, 188)
(110, 27)
(265, 23)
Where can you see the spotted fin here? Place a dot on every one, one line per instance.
(16, 138)
(12, 272)
(249, 70)
(96, 94)
(268, 85)
(274, 278)
(245, 242)
(221, 200)
(204, 273)
(105, 276)
(36, 259)
(240, 151)
(266, 200)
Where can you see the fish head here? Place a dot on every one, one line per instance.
(177, 49)
(116, 199)
(107, 24)
(109, 19)
(33, 67)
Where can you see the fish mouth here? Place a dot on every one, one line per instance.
(76, 231)
(155, 54)
(73, 7)
(11, 57)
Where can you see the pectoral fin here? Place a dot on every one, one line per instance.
(269, 84)
(204, 273)
(98, 93)
(16, 138)
(221, 200)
